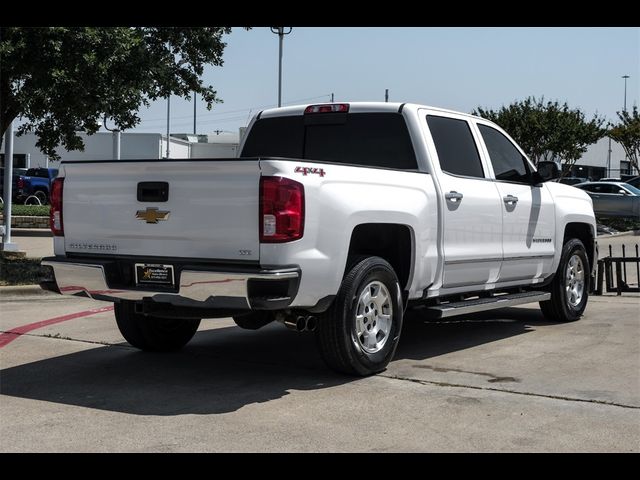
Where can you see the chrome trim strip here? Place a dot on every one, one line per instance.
(80, 278)
(527, 257)
(496, 259)
(472, 260)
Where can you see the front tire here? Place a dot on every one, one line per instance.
(153, 334)
(570, 286)
(359, 333)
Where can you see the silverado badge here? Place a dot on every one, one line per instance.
(152, 215)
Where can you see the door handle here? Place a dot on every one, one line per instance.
(510, 200)
(453, 196)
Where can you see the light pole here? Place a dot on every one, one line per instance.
(6, 244)
(168, 122)
(116, 139)
(280, 31)
(625, 91)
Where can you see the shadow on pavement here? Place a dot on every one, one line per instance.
(224, 369)
(422, 340)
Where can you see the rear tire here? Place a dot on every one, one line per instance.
(359, 333)
(42, 196)
(153, 334)
(570, 286)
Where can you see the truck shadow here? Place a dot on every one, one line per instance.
(225, 369)
(423, 340)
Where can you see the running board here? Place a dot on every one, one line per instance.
(481, 304)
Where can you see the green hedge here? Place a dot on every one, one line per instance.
(30, 210)
(23, 271)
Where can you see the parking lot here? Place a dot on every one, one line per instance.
(505, 380)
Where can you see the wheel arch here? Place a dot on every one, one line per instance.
(391, 241)
(583, 232)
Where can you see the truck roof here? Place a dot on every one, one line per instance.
(356, 107)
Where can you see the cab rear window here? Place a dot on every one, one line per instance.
(39, 172)
(369, 139)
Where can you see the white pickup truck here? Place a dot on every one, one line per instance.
(335, 218)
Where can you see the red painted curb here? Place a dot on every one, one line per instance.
(9, 336)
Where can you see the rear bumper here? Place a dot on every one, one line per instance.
(237, 288)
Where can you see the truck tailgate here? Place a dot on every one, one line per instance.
(211, 210)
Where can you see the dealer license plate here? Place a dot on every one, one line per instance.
(152, 274)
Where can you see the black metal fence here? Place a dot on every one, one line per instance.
(617, 273)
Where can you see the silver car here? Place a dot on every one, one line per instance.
(613, 199)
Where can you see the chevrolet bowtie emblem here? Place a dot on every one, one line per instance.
(152, 215)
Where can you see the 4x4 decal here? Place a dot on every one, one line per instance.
(307, 170)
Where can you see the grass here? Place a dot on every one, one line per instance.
(22, 271)
(29, 210)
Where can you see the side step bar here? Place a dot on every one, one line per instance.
(481, 304)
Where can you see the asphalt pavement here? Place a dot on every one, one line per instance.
(501, 381)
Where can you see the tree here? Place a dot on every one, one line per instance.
(627, 134)
(60, 80)
(547, 131)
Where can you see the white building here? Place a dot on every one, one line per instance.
(214, 145)
(100, 146)
(603, 159)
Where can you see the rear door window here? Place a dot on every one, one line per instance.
(612, 188)
(457, 150)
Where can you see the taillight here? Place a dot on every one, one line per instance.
(328, 108)
(20, 183)
(281, 210)
(55, 214)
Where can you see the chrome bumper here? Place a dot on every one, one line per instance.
(85, 279)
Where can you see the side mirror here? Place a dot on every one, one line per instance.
(622, 192)
(547, 171)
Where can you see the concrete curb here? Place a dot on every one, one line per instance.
(16, 290)
(31, 232)
(22, 221)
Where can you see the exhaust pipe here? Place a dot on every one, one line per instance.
(297, 323)
(312, 323)
(300, 323)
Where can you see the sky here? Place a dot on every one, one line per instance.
(454, 68)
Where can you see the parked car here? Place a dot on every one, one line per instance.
(571, 180)
(613, 199)
(15, 173)
(631, 180)
(37, 183)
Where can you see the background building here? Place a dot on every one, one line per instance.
(603, 159)
(132, 146)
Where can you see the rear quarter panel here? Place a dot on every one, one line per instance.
(335, 204)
